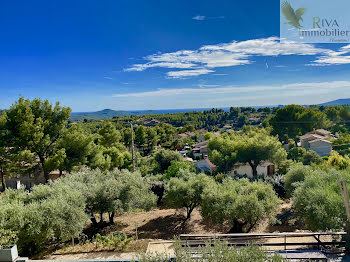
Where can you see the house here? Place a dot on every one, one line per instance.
(318, 141)
(184, 135)
(226, 127)
(200, 149)
(265, 168)
(28, 181)
(205, 166)
(153, 122)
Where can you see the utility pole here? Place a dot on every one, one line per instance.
(345, 195)
(132, 148)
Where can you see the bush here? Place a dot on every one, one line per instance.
(217, 251)
(49, 213)
(295, 176)
(111, 192)
(7, 238)
(112, 240)
(186, 192)
(240, 204)
(318, 202)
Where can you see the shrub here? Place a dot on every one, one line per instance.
(295, 176)
(112, 240)
(186, 192)
(240, 204)
(7, 238)
(318, 202)
(217, 251)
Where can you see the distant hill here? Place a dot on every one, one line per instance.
(337, 102)
(99, 115)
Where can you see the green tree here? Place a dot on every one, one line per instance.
(109, 136)
(296, 153)
(293, 120)
(240, 203)
(77, 145)
(175, 167)
(37, 126)
(252, 147)
(140, 136)
(311, 157)
(295, 176)
(318, 202)
(186, 192)
(163, 159)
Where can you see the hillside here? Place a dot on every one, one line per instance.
(337, 102)
(98, 115)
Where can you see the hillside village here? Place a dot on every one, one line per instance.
(150, 170)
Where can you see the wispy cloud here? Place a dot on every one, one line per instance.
(202, 17)
(107, 77)
(199, 17)
(205, 59)
(234, 90)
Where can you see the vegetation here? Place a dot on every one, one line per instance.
(318, 201)
(93, 162)
(252, 147)
(217, 251)
(241, 204)
(187, 192)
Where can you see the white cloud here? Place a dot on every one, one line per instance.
(234, 90)
(107, 77)
(199, 17)
(209, 57)
(188, 73)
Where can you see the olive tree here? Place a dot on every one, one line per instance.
(186, 192)
(239, 203)
(318, 202)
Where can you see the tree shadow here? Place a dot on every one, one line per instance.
(163, 227)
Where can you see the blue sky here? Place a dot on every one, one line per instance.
(133, 55)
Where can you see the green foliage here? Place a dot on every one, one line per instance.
(8, 238)
(216, 251)
(252, 147)
(311, 157)
(295, 176)
(37, 126)
(342, 144)
(186, 192)
(337, 161)
(163, 159)
(294, 120)
(296, 153)
(175, 167)
(318, 202)
(111, 192)
(239, 203)
(112, 240)
(50, 212)
(109, 136)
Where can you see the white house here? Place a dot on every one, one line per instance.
(318, 141)
(266, 168)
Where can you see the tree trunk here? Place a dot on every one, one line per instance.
(101, 217)
(46, 174)
(3, 183)
(188, 212)
(93, 219)
(237, 227)
(111, 218)
(254, 169)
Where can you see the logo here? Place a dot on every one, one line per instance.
(293, 17)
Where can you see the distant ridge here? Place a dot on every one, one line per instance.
(337, 102)
(99, 115)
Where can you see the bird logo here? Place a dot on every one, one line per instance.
(292, 16)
